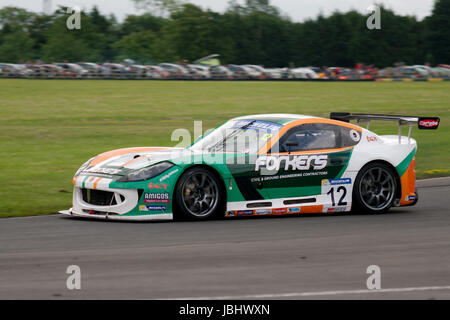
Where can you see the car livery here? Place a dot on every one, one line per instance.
(277, 164)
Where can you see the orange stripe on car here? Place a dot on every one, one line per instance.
(311, 209)
(313, 151)
(96, 182)
(266, 148)
(133, 161)
(408, 181)
(110, 154)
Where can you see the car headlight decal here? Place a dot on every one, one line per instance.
(147, 173)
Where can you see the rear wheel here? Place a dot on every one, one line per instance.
(375, 188)
(199, 195)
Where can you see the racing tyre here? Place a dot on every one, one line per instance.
(375, 188)
(199, 195)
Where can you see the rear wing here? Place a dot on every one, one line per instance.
(424, 123)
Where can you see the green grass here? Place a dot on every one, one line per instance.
(49, 128)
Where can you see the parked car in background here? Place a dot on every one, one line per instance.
(73, 70)
(49, 71)
(319, 71)
(423, 71)
(115, 70)
(93, 69)
(315, 69)
(175, 70)
(14, 70)
(238, 71)
(221, 72)
(441, 72)
(253, 72)
(199, 71)
(262, 72)
(136, 71)
(156, 72)
(243, 72)
(274, 73)
(303, 73)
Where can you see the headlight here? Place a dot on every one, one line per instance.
(84, 166)
(147, 173)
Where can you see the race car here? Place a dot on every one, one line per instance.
(275, 164)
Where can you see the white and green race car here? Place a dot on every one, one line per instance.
(276, 164)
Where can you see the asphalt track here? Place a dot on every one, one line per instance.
(305, 257)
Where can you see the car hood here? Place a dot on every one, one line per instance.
(122, 161)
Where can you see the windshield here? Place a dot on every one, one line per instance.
(238, 136)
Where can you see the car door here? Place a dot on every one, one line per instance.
(303, 158)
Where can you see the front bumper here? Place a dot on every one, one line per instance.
(125, 200)
(95, 198)
(155, 217)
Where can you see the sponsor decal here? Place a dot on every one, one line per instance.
(338, 193)
(157, 198)
(334, 182)
(159, 186)
(336, 210)
(294, 210)
(245, 213)
(257, 125)
(289, 176)
(103, 170)
(273, 163)
(230, 214)
(411, 198)
(431, 123)
(279, 211)
(167, 176)
(152, 208)
(355, 135)
(263, 212)
(372, 139)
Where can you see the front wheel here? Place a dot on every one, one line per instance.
(375, 188)
(198, 195)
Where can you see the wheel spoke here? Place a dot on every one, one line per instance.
(385, 181)
(379, 175)
(203, 180)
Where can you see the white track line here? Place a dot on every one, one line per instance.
(314, 294)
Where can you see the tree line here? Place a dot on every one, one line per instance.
(256, 33)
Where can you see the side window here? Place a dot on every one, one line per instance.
(316, 136)
(350, 137)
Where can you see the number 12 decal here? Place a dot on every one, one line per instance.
(342, 192)
(337, 194)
